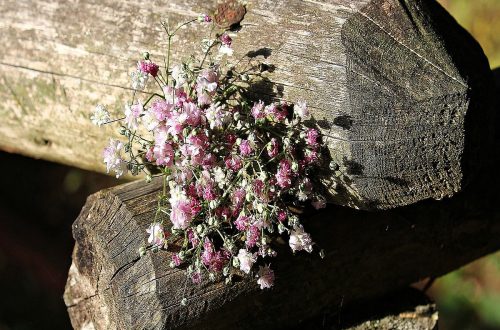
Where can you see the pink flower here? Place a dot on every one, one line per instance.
(300, 240)
(204, 18)
(230, 139)
(161, 109)
(311, 156)
(193, 114)
(272, 148)
(253, 235)
(195, 206)
(208, 252)
(176, 260)
(265, 277)
(214, 260)
(282, 215)
(245, 148)
(150, 155)
(233, 162)
(258, 110)
(174, 124)
(258, 187)
(148, 67)
(220, 259)
(193, 238)
(278, 113)
(196, 277)
(208, 161)
(164, 154)
(284, 175)
(181, 212)
(241, 223)
(246, 260)
(133, 114)
(312, 137)
(209, 192)
(238, 198)
(226, 39)
(206, 85)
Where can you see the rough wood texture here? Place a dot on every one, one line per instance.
(367, 253)
(393, 83)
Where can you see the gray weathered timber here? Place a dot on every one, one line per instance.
(367, 253)
(110, 287)
(392, 83)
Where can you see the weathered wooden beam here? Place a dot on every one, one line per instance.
(367, 253)
(109, 286)
(393, 83)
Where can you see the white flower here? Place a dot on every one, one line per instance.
(300, 108)
(206, 44)
(156, 235)
(133, 114)
(300, 240)
(149, 120)
(113, 158)
(216, 116)
(179, 75)
(225, 50)
(266, 277)
(139, 79)
(100, 115)
(246, 260)
(219, 176)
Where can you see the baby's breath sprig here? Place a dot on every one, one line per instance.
(231, 168)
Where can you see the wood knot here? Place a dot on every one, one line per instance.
(229, 13)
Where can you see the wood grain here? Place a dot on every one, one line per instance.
(367, 254)
(110, 287)
(393, 84)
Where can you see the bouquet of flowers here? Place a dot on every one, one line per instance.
(232, 168)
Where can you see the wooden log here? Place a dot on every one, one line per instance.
(367, 253)
(110, 287)
(393, 83)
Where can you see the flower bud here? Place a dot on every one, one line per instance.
(333, 166)
(145, 55)
(322, 254)
(142, 251)
(200, 228)
(281, 228)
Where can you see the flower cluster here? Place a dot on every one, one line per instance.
(231, 167)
